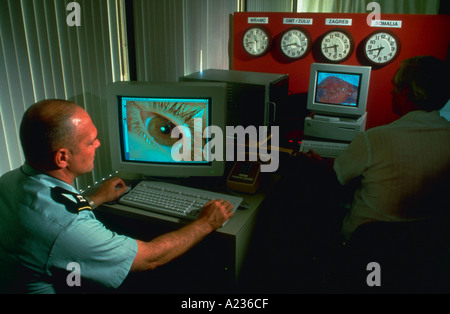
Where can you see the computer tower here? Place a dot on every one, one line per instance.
(253, 98)
(335, 128)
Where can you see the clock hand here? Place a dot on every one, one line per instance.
(293, 44)
(379, 51)
(379, 48)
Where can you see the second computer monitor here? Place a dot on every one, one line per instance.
(338, 89)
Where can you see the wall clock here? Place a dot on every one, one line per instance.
(337, 45)
(295, 43)
(256, 41)
(381, 47)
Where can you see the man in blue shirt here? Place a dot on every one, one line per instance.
(46, 227)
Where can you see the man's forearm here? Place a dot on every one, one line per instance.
(169, 246)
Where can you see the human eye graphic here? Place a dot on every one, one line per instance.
(150, 126)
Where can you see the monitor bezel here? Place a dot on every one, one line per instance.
(338, 109)
(216, 92)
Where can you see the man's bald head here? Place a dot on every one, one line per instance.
(46, 127)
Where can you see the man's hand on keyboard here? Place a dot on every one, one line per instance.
(110, 190)
(217, 212)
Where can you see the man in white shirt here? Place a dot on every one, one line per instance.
(403, 167)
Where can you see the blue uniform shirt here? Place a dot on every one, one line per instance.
(44, 226)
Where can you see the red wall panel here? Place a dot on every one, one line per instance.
(419, 35)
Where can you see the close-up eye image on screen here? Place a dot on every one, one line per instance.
(148, 125)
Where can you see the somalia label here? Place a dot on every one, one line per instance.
(386, 23)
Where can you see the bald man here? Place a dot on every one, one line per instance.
(46, 226)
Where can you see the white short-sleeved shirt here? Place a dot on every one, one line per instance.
(44, 226)
(395, 164)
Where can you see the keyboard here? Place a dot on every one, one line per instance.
(172, 199)
(324, 149)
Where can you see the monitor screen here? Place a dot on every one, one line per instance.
(338, 89)
(148, 124)
(158, 129)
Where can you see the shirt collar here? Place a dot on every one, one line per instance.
(42, 176)
(421, 116)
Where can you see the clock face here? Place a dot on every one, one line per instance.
(295, 43)
(381, 47)
(256, 41)
(337, 45)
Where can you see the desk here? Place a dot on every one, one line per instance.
(214, 264)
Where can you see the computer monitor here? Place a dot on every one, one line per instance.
(338, 89)
(143, 116)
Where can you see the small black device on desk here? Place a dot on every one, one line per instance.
(244, 177)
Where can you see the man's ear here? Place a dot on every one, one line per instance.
(61, 158)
